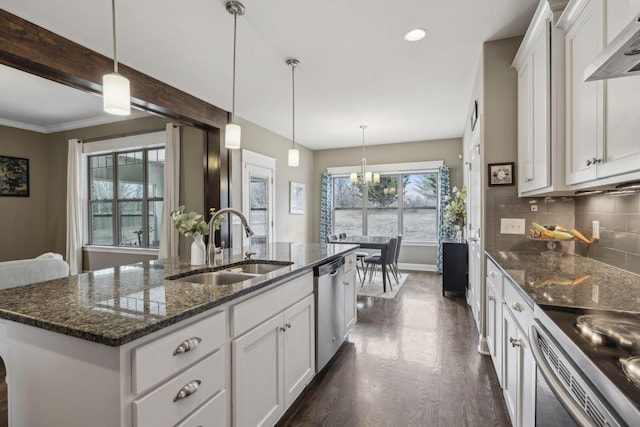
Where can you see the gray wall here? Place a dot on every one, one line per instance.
(445, 149)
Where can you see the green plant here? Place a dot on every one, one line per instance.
(192, 224)
(456, 211)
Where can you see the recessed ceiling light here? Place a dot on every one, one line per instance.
(415, 35)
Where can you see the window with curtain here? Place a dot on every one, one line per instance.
(402, 203)
(126, 190)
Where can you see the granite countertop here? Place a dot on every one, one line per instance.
(118, 305)
(571, 280)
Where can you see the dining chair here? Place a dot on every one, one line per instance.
(332, 238)
(374, 260)
(343, 236)
(396, 271)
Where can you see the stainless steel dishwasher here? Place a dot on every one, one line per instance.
(329, 291)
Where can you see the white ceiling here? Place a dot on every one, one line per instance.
(355, 66)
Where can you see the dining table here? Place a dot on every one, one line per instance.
(370, 242)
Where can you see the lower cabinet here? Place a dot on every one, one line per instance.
(494, 326)
(272, 363)
(350, 301)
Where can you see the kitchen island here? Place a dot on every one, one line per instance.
(546, 317)
(89, 349)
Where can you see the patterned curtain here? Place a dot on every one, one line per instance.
(326, 207)
(444, 187)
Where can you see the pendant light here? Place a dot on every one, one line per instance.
(364, 177)
(232, 131)
(294, 153)
(115, 88)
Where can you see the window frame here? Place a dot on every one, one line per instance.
(116, 146)
(400, 172)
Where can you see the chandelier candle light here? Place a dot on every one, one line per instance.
(294, 154)
(115, 88)
(365, 177)
(232, 131)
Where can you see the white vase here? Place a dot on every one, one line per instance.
(198, 251)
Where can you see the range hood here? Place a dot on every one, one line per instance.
(620, 58)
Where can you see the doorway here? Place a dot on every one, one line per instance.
(258, 198)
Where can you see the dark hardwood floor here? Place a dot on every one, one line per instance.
(412, 361)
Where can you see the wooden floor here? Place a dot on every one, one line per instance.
(412, 361)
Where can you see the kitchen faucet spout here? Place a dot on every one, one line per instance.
(211, 245)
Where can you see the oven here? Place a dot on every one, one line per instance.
(586, 360)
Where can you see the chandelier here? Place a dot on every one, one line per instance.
(365, 177)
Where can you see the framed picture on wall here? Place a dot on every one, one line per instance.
(501, 174)
(14, 176)
(296, 205)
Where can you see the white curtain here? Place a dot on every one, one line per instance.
(168, 234)
(75, 192)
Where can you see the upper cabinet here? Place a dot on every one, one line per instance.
(602, 117)
(540, 66)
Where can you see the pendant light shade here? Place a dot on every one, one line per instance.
(294, 154)
(232, 130)
(116, 98)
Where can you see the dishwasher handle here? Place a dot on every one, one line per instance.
(332, 267)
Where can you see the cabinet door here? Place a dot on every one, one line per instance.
(510, 364)
(299, 348)
(258, 392)
(534, 128)
(494, 328)
(621, 150)
(527, 384)
(584, 99)
(349, 301)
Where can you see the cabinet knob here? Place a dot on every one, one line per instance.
(491, 298)
(516, 306)
(288, 325)
(514, 342)
(593, 161)
(528, 179)
(187, 345)
(187, 390)
(492, 274)
(283, 329)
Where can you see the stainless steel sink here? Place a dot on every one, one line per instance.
(216, 278)
(258, 267)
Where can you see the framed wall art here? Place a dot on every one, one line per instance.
(14, 176)
(501, 174)
(296, 206)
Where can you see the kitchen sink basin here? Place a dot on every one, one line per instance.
(216, 278)
(258, 267)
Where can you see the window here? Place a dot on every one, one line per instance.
(402, 203)
(126, 190)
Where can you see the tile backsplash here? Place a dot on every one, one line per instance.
(619, 216)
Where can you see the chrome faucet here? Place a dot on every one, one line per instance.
(212, 245)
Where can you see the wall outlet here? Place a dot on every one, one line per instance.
(534, 208)
(596, 229)
(512, 225)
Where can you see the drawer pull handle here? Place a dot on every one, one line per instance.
(187, 390)
(283, 329)
(288, 325)
(187, 345)
(516, 306)
(514, 342)
(492, 274)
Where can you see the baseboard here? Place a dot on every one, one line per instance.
(417, 267)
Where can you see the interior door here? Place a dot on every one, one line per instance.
(474, 223)
(258, 199)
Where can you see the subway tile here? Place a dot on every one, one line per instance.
(633, 223)
(628, 203)
(606, 239)
(596, 203)
(503, 206)
(627, 242)
(596, 252)
(560, 204)
(615, 258)
(633, 263)
(615, 222)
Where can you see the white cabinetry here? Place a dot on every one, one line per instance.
(519, 368)
(494, 317)
(273, 351)
(350, 301)
(540, 66)
(602, 142)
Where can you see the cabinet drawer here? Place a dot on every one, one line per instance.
(212, 414)
(159, 359)
(516, 304)
(159, 408)
(350, 261)
(254, 311)
(494, 278)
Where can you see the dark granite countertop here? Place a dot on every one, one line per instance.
(571, 280)
(118, 305)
